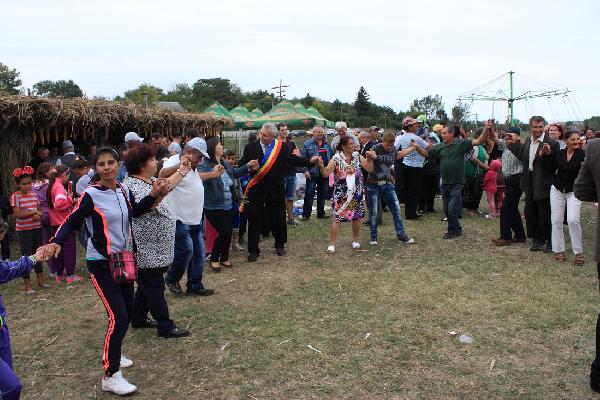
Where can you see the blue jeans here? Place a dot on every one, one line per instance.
(189, 255)
(319, 184)
(289, 182)
(451, 194)
(388, 196)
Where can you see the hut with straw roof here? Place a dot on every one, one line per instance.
(27, 122)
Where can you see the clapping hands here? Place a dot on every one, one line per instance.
(315, 160)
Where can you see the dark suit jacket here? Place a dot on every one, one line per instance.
(587, 184)
(541, 179)
(271, 186)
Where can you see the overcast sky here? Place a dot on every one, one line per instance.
(397, 50)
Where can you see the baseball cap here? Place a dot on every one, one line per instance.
(373, 128)
(408, 121)
(67, 144)
(132, 136)
(514, 129)
(438, 127)
(198, 144)
(422, 119)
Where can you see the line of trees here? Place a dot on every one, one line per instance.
(196, 97)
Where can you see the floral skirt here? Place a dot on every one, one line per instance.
(355, 210)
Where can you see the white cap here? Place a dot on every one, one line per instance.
(132, 136)
(198, 144)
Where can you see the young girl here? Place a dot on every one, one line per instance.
(10, 386)
(237, 188)
(40, 187)
(490, 187)
(60, 203)
(28, 215)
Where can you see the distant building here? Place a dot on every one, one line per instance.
(170, 105)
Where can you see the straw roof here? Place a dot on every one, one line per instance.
(76, 115)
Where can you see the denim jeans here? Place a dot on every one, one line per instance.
(388, 195)
(189, 255)
(451, 194)
(319, 184)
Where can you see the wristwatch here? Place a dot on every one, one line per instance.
(181, 173)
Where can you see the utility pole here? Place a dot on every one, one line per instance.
(280, 89)
(511, 99)
(145, 99)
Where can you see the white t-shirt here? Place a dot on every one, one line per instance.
(186, 201)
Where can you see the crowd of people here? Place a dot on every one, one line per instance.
(148, 213)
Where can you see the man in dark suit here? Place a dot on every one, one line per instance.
(536, 182)
(267, 197)
(587, 188)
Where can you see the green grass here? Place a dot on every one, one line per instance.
(531, 315)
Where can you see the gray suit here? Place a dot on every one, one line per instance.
(536, 185)
(587, 188)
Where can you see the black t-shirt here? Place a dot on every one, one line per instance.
(382, 170)
(290, 170)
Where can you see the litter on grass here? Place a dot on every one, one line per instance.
(314, 349)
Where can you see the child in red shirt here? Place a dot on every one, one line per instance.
(490, 187)
(28, 216)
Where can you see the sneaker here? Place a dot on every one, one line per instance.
(237, 246)
(207, 257)
(174, 287)
(444, 219)
(330, 249)
(293, 222)
(117, 384)
(373, 242)
(125, 362)
(58, 279)
(355, 245)
(74, 278)
(405, 239)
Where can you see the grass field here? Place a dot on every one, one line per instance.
(379, 317)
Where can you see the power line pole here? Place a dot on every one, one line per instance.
(280, 89)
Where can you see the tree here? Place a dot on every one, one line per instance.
(362, 104)
(431, 106)
(207, 91)
(307, 101)
(460, 112)
(593, 122)
(181, 93)
(137, 95)
(60, 88)
(9, 80)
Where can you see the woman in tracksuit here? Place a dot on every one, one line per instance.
(107, 207)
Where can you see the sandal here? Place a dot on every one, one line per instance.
(215, 266)
(579, 260)
(560, 257)
(227, 264)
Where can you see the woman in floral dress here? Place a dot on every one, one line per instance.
(348, 191)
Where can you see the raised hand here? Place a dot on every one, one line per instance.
(296, 152)
(185, 166)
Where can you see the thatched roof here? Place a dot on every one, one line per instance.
(71, 116)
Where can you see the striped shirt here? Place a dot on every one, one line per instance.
(26, 202)
(510, 163)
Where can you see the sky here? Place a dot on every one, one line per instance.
(397, 50)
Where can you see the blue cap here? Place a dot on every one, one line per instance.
(514, 129)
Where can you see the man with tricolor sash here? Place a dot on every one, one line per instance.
(265, 196)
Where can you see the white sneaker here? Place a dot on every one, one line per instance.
(373, 242)
(125, 362)
(117, 384)
(355, 245)
(330, 249)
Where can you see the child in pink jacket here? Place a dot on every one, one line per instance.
(490, 187)
(60, 203)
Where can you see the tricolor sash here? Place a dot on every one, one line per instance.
(266, 164)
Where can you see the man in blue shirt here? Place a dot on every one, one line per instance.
(317, 146)
(411, 168)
